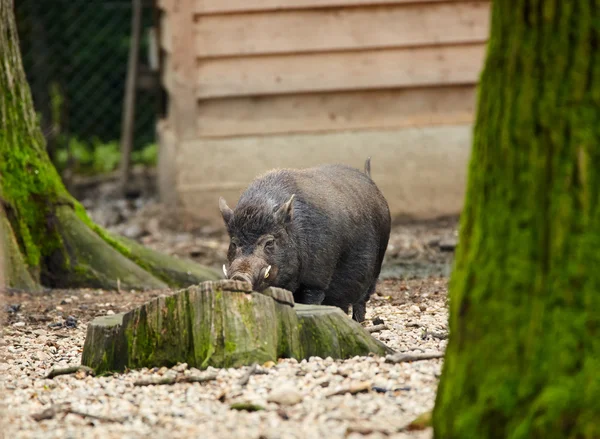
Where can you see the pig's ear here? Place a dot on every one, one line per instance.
(226, 211)
(285, 212)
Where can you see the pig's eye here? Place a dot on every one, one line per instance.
(269, 244)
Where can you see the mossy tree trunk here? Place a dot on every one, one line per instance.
(523, 358)
(47, 234)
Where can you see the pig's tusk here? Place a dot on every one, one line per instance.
(224, 270)
(267, 272)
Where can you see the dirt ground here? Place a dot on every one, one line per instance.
(47, 331)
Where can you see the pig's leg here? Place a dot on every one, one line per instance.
(341, 305)
(311, 296)
(359, 310)
(350, 283)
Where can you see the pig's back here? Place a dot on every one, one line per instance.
(342, 190)
(349, 213)
(339, 194)
(329, 197)
(341, 201)
(338, 212)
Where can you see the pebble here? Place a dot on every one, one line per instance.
(13, 308)
(285, 395)
(133, 232)
(378, 321)
(180, 367)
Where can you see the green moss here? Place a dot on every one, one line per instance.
(102, 348)
(15, 268)
(29, 186)
(171, 303)
(106, 363)
(248, 336)
(173, 271)
(314, 342)
(218, 335)
(200, 327)
(421, 422)
(230, 347)
(209, 350)
(158, 333)
(32, 191)
(98, 264)
(524, 351)
(141, 340)
(246, 308)
(289, 329)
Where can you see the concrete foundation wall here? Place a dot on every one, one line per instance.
(421, 171)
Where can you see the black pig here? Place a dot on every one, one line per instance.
(320, 232)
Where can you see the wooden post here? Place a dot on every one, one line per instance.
(128, 123)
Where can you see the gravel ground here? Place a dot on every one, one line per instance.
(354, 398)
(296, 399)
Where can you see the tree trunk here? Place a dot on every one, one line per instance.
(48, 236)
(223, 324)
(524, 349)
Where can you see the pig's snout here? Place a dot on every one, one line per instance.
(258, 278)
(242, 277)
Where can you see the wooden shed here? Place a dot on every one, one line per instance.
(258, 84)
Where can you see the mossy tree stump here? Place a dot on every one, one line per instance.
(223, 324)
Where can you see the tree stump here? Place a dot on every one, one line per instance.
(223, 324)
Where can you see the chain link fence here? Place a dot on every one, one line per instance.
(75, 56)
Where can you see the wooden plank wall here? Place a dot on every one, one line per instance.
(298, 66)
